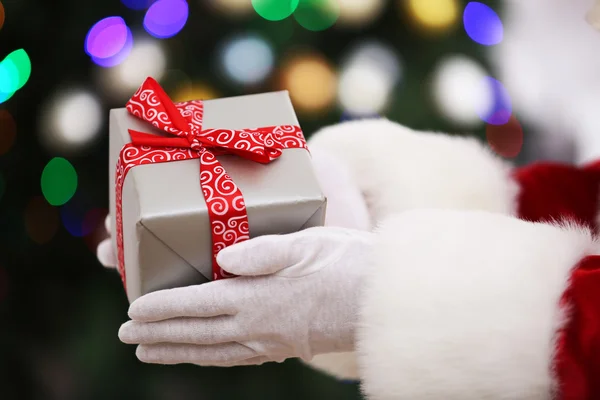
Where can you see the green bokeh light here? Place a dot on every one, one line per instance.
(59, 181)
(275, 10)
(317, 15)
(23, 64)
(15, 71)
(9, 76)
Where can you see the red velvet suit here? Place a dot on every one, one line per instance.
(551, 192)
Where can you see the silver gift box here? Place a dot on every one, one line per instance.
(166, 231)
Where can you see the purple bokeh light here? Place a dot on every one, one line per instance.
(106, 38)
(119, 57)
(109, 42)
(501, 106)
(166, 18)
(482, 24)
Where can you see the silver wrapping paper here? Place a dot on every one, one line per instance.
(166, 230)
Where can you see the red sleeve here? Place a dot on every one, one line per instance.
(552, 192)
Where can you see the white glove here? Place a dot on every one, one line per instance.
(296, 296)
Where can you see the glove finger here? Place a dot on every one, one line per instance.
(251, 361)
(200, 301)
(205, 331)
(172, 353)
(263, 255)
(106, 254)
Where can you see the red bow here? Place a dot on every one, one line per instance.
(224, 200)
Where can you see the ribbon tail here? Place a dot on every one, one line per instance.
(226, 209)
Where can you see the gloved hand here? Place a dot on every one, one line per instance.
(346, 206)
(296, 296)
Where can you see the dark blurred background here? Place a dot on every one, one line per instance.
(422, 63)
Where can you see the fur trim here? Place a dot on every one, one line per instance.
(398, 169)
(465, 305)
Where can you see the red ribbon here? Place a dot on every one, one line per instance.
(224, 200)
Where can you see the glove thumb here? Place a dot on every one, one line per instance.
(263, 255)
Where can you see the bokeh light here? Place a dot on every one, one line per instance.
(147, 58)
(311, 81)
(247, 59)
(317, 15)
(193, 91)
(71, 120)
(458, 90)
(59, 181)
(9, 76)
(482, 24)
(137, 4)
(41, 220)
(507, 139)
(234, 8)
(166, 18)
(8, 131)
(275, 10)
(358, 13)
(5, 96)
(500, 110)
(2, 15)
(437, 15)
(19, 65)
(15, 71)
(368, 77)
(109, 42)
(79, 218)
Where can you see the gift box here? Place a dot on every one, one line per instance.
(189, 179)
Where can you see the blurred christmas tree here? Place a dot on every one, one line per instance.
(411, 61)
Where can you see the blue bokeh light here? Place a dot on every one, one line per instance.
(5, 96)
(247, 59)
(501, 106)
(137, 4)
(482, 24)
(166, 18)
(9, 74)
(75, 216)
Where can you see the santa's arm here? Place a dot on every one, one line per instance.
(398, 169)
(553, 191)
(470, 305)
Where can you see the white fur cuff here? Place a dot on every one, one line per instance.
(398, 169)
(464, 305)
